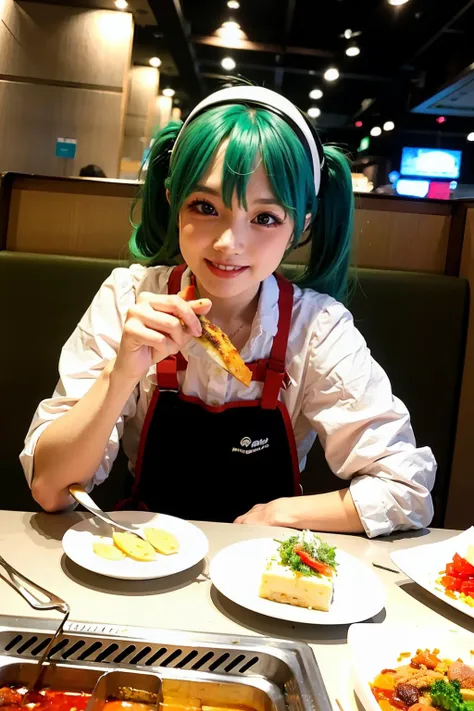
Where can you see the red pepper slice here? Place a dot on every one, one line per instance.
(451, 583)
(462, 567)
(314, 564)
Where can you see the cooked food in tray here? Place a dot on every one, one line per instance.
(302, 573)
(425, 681)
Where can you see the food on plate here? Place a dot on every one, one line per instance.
(162, 541)
(124, 545)
(133, 546)
(218, 344)
(301, 573)
(426, 681)
(108, 551)
(458, 578)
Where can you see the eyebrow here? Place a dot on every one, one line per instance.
(217, 193)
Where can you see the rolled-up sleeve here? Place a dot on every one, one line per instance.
(364, 429)
(92, 345)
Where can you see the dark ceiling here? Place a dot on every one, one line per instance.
(411, 56)
(408, 53)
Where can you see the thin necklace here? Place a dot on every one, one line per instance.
(237, 331)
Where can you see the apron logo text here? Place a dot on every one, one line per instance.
(251, 447)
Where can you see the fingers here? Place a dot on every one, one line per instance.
(144, 336)
(177, 307)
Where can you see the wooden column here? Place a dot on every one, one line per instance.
(63, 74)
(139, 118)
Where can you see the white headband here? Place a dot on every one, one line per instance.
(265, 98)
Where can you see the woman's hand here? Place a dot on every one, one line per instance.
(279, 512)
(157, 326)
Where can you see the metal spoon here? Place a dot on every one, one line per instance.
(82, 497)
(18, 582)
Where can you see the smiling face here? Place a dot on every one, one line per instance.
(231, 249)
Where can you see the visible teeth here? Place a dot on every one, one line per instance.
(225, 268)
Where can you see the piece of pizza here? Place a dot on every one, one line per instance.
(218, 345)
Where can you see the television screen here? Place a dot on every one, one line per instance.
(431, 163)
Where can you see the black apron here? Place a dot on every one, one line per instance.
(207, 463)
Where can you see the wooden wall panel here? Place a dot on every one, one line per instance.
(395, 240)
(406, 241)
(32, 116)
(81, 225)
(65, 44)
(460, 512)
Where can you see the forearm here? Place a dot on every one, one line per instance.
(334, 511)
(71, 448)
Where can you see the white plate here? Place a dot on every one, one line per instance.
(373, 648)
(423, 565)
(78, 541)
(237, 569)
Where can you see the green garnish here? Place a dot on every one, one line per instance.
(312, 545)
(447, 695)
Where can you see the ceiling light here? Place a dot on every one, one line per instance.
(375, 131)
(470, 137)
(396, 3)
(347, 34)
(331, 74)
(316, 94)
(169, 92)
(353, 50)
(233, 4)
(359, 124)
(228, 63)
(314, 112)
(388, 126)
(155, 62)
(121, 4)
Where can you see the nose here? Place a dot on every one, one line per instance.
(228, 242)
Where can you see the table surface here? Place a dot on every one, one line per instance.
(188, 601)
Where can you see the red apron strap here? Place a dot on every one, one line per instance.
(174, 280)
(275, 373)
(166, 370)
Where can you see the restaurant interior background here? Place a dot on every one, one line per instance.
(87, 82)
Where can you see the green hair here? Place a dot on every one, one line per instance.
(251, 133)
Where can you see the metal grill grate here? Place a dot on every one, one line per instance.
(77, 648)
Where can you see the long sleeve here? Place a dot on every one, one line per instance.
(93, 343)
(364, 429)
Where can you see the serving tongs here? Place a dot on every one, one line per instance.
(83, 498)
(40, 599)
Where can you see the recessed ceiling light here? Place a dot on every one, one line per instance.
(155, 62)
(353, 50)
(388, 126)
(347, 34)
(375, 131)
(228, 63)
(316, 94)
(396, 3)
(169, 92)
(121, 4)
(314, 112)
(331, 74)
(233, 4)
(470, 137)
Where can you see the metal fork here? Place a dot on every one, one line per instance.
(82, 497)
(18, 581)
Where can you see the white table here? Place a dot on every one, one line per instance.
(188, 601)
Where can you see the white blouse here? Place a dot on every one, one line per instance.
(337, 392)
